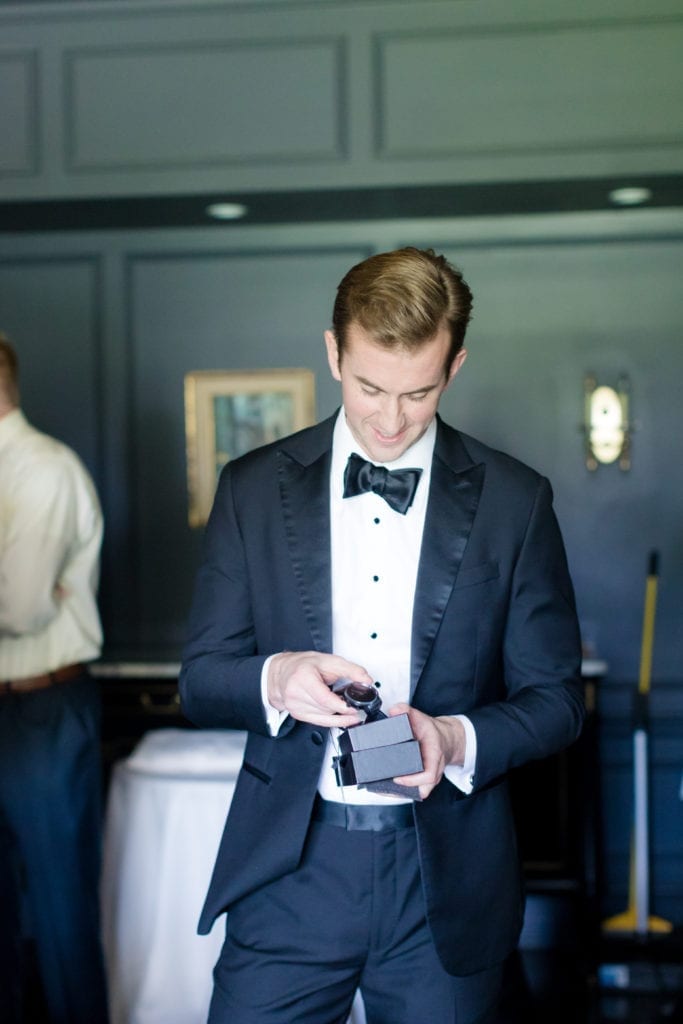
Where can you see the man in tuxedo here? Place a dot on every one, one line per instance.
(380, 546)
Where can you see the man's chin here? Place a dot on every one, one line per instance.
(388, 449)
(387, 453)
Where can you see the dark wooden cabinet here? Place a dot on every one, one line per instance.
(136, 696)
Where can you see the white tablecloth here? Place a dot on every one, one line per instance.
(165, 813)
(166, 809)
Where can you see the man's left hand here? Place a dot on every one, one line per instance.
(442, 742)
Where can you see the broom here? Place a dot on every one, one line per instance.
(637, 918)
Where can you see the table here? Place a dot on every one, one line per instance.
(166, 809)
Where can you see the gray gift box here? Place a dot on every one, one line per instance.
(374, 753)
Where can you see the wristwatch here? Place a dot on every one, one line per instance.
(364, 698)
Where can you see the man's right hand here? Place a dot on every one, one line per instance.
(299, 682)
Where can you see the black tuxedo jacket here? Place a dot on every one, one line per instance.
(494, 636)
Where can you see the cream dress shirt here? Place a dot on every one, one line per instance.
(50, 538)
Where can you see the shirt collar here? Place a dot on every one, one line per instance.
(11, 424)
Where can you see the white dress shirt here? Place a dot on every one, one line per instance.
(375, 553)
(50, 537)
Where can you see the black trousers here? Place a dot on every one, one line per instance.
(351, 916)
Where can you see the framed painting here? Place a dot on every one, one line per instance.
(227, 413)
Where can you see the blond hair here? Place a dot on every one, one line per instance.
(402, 298)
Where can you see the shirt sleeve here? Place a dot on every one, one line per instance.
(462, 776)
(274, 718)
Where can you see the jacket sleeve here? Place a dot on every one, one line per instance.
(541, 657)
(221, 668)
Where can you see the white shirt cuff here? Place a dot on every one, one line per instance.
(274, 718)
(462, 776)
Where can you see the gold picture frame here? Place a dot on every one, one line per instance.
(227, 413)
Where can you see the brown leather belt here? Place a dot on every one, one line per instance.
(60, 675)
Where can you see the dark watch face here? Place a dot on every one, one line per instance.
(364, 698)
(360, 694)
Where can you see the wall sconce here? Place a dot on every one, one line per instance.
(606, 423)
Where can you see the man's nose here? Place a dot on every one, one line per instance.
(391, 417)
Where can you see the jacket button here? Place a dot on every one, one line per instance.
(317, 738)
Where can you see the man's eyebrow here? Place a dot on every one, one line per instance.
(368, 383)
(415, 391)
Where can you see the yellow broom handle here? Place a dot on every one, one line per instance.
(648, 625)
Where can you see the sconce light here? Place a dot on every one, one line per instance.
(606, 423)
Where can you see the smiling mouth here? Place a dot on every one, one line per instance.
(388, 438)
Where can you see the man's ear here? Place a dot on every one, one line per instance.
(460, 358)
(332, 354)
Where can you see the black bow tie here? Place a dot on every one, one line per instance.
(396, 486)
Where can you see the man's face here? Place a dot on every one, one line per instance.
(390, 395)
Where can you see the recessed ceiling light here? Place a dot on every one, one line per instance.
(227, 211)
(632, 195)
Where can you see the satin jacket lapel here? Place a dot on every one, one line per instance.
(454, 493)
(304, 478)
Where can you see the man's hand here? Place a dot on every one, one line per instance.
(299, 682)
(442, 742)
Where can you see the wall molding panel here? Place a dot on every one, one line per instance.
(639, 81)
(50, 306)
(173, 106)
(19, 114)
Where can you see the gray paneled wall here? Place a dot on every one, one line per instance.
(51, 305)
(107, 98)
(120, 318)
(204, 310)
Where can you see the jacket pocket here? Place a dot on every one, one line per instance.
(253, 770)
